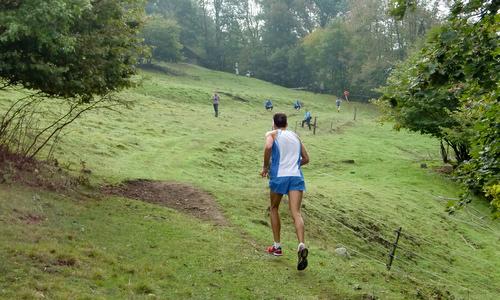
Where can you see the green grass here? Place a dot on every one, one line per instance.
(110, 247)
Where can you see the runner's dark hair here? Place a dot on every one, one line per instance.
(280, 120)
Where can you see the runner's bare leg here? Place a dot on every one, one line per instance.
(275, 216)
(294, 203)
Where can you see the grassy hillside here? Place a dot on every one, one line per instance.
(64, 246)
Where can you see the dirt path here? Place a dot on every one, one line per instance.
(179, 196)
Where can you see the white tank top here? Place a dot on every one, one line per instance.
(285, 157)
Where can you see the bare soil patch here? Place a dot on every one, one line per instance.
(179, 196)
(32, 219)
(445, 169)
(15, 168)
(235, 97)
(161, 69)
(28, 218)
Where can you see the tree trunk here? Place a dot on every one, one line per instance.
(444, 153)
(217, 6)
(461, 151)
(205, 27)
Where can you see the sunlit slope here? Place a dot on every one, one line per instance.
(171, 134)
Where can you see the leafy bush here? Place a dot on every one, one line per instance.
(450, 88)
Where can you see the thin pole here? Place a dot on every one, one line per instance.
(393, 250)
(314, 131)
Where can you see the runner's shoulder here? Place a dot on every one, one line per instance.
(271, 133)
(296, 136)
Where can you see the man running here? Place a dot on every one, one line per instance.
(284, 154)
(346, 95)
(269, 105)
(297, 105)
(337, 103)
(215, 99)
(307, 119)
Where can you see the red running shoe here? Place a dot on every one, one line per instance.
(274, 251)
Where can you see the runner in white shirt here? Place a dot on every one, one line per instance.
(284, 154)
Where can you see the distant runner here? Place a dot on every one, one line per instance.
(297, 105)
(216, 104)
(346, 95)
(337, 103)
(284, 154)
(269, 105)
(307, 119)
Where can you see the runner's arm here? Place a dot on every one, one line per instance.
(304, 155)
(267, 154)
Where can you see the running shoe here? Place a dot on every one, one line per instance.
(302, 254)
(274, 251)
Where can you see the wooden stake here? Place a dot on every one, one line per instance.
(465, 240)
(314, 131)
(393, 250)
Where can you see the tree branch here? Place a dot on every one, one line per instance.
(70, 120)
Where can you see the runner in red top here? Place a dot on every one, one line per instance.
(346, 95)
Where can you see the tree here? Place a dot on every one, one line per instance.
(449, 89)
(229, 15)
(327, 50)
(327, 10)
(189, 16)
(162, 35)
(79, 51)
(281, 27)
(399, 8)
(381, 40)
(70, 49)
(300, 73)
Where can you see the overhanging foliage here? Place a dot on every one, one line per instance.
(450, 89)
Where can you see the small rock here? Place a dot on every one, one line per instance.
(341, 251)
(348, 161)
(446, 169)
(357, 287)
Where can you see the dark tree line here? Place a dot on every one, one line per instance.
(320, 45)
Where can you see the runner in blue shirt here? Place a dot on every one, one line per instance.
(307, 119)
(269, 105)
(297, 105)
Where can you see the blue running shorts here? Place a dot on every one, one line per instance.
(282, 185)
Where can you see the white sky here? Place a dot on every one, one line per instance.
(443, 6)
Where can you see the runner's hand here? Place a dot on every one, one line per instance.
(264, 172)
